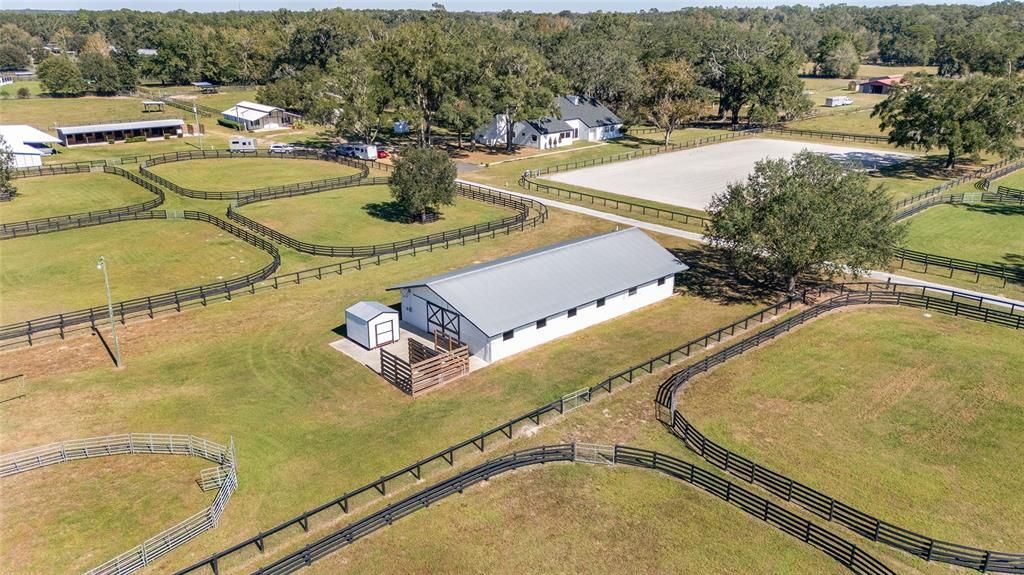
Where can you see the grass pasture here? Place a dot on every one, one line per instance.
(910, 417)
(54, 273)
(987, 233)
(362, 215)
(49, 113)
(49, 196)
(579, 519)
(229, 174)
(118, 501)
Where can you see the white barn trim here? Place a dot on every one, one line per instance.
(509, 305)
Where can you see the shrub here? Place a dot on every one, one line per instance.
(229, 124)
(24, 92)
(167, 136)
(136, 139)
(4, 94)
(110, 140)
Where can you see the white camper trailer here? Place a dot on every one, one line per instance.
(242, 145)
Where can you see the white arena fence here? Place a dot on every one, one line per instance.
(222, 477)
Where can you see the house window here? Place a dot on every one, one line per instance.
(600, 302)
(534, 137)
(632, 291)
(572, 312)
(541, 323)
(661, 281)
(575, 133)
(507, 335)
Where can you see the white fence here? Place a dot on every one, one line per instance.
(223, 476)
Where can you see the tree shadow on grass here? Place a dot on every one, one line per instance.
(393, 212)
(924, 168)
(714, 275)
(997, 209)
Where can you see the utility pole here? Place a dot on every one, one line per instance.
(102, 265)
(199, 127)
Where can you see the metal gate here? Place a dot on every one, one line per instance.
(593, 453)
(444, 321)
(575, 399)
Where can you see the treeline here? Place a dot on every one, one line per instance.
(348, 68)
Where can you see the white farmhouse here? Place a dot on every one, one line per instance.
(503, 307)
(27, 144)
(579, 118)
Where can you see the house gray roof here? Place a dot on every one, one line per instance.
(587, 110)
(68, 130)
(511, 292)
(367, 310)
(549, 125)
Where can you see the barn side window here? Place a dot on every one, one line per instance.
(507, 335)
(541, 323)
(661, 281)
(572, 312)
(632, 291)
(600, 302)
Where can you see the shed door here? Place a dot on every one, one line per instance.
(443, 320)
(384, 332)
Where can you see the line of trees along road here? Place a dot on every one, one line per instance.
(458, 69)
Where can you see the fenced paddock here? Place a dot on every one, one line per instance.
(691, 177)
(222, 477)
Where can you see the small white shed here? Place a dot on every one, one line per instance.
(371, 324)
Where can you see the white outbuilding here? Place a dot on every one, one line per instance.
(27, 144)
(506, 306)
(371, 324)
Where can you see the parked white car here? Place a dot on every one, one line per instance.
(281, 148)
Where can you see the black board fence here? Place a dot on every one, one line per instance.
(824, 135)
(57, 223)
(985, 173)
(631, 207)
(307, 187)
(847, 554)
(523, 207)
(151, 304)
(932, 262)
(961, 198)
(951, 302)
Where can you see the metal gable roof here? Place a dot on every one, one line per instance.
(69, 130)
(511, 292)
(549, 125)
(367, 310)
(587, 110)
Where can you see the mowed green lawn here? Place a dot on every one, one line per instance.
(1015, 181)
(245, 173)
(912, 417)
(573, 518)
(48, 196)
(362, 215)
(260, 368)
(988, 233)
(121, 500)
(54, 273)
(48, 113)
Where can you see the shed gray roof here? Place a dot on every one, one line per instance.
(549, 125)
(367, 310)
(587, 110)
(512, 292)
(92, 128)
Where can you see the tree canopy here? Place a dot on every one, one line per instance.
(805, 216)
(964, 116)
(424, 178)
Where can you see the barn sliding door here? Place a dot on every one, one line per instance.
(444, 321)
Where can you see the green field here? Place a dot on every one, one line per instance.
(11, 90)
(566, 518)
(1015, 181)
(49, 113)
(362, 215)
(53, 273)
(243, 173)
(988, 233)
(120, 501)
(910, 417)
(48, 196)
(222, 100)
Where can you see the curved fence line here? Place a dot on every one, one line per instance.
(997, 197)
(223, 477)
(278, 194)
(1005, 272)
(521, 205)
(993, 171)
(820, 504)
(149, 304)
(309, 187)
(57, 223)
(847, 554)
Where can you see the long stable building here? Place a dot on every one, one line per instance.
(119, 132)
(506, 306)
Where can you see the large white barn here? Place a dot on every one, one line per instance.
(27, 144)
(511, 304)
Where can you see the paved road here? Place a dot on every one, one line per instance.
(877, 275)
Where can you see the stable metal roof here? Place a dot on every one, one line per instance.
(367, 310)
(549, 125)
(587, 110)
(120, 126)
(512, 292)
(24, 134)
